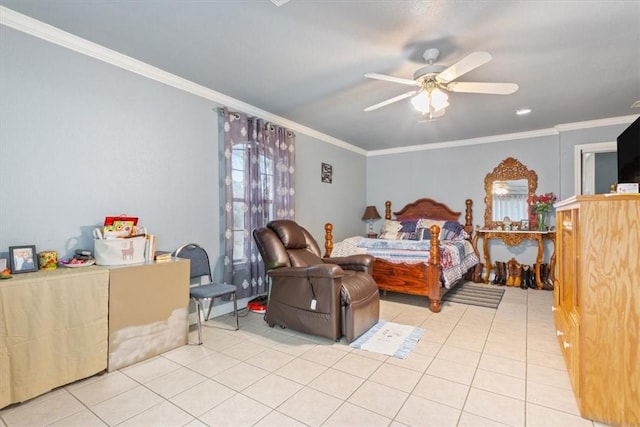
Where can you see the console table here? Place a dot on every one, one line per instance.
(53, 330)
(514, 238)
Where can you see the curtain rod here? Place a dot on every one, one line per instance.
(221, 109)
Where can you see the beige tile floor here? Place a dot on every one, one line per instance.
(473, 367)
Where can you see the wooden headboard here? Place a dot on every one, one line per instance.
(429, 208)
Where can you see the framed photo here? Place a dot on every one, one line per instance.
(326, 173)
(22, 259)
(524, 225)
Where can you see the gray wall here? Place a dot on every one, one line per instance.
(342, 202)
(81, 139)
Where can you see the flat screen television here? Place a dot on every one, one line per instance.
(629, 154)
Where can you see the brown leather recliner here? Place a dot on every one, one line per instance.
(347, 302)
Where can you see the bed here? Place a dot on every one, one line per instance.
(427, 263)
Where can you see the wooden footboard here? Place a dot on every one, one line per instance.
(420, 278)
(415, 279)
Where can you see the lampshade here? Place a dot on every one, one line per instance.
(370, 214)
(430, 101)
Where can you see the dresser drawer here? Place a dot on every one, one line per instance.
(568, 333)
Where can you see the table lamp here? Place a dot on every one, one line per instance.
(370, 216)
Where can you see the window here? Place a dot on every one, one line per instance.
(241, 177)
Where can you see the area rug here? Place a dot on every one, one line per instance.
(392, 339)
(470, 294)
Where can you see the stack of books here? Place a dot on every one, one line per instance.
(150, 247)
(162, 256)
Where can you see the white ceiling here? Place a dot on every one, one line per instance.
(305, 61)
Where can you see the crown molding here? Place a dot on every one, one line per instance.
(28, 25)
(465, 142)
(612, 121)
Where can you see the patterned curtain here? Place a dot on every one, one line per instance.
(259, 168)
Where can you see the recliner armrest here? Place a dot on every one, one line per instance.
(318, 270)
(358, 262)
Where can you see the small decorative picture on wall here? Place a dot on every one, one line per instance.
(22, 259)
(326, 173)
(524, 225)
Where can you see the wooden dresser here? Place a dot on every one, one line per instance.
(597, 304)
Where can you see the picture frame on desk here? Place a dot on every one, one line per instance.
(22, 259)
(524, 225)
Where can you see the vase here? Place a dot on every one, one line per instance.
(542, 221)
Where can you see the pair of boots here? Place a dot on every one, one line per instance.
(475, 273)
(514, 272)
(500, 277)
(528, 279)
(545, 277)
(508, 273)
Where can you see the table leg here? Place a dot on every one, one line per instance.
(539, 262)
(487, 258)
(552, 263)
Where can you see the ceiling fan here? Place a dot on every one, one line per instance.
(434, 80)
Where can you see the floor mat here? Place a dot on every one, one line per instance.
(392, 339)
(471, 294)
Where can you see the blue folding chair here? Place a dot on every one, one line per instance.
(200, 267)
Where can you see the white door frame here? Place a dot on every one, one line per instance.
(584, 165)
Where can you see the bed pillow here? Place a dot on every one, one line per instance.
(409, 225)
(453, 230)
(449, 230)
(423, 226)
(404, 229)
(428, 222)
(391, 230)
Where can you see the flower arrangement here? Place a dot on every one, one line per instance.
(542, 203)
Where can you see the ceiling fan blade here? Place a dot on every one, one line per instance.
(479, 87)
(392, 79)
(391, 100)
(466, 64)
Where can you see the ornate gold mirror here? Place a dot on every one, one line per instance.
(507, 189)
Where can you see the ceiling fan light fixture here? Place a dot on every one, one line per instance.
(439, 99)
(421, 102)
(430, 101)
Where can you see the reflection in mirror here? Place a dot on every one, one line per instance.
(507, 189)
(510, 199)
